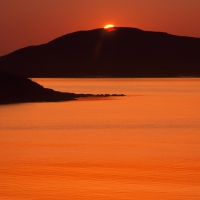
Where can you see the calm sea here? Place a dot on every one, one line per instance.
(143, 146)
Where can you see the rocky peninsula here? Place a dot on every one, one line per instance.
(17, 89)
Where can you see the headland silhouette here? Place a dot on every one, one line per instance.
(16, 89)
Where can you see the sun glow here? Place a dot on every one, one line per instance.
(109, 26)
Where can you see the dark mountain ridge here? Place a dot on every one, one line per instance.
(124, 52)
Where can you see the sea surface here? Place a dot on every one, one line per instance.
(143, 146)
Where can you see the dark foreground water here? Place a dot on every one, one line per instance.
(142, 146)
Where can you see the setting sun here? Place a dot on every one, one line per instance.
(109, 26)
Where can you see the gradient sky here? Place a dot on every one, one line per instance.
(33, 22)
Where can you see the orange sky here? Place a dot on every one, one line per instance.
(33, 22)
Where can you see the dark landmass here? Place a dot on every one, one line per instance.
(16, 89)
(125, 52)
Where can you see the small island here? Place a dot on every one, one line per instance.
(17, 89)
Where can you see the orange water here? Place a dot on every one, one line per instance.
(142, 146)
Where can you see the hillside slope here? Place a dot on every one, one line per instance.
(124, 52)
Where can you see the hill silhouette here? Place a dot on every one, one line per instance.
(124, 52)
(16, 89)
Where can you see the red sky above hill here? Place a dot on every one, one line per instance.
(33, 22)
